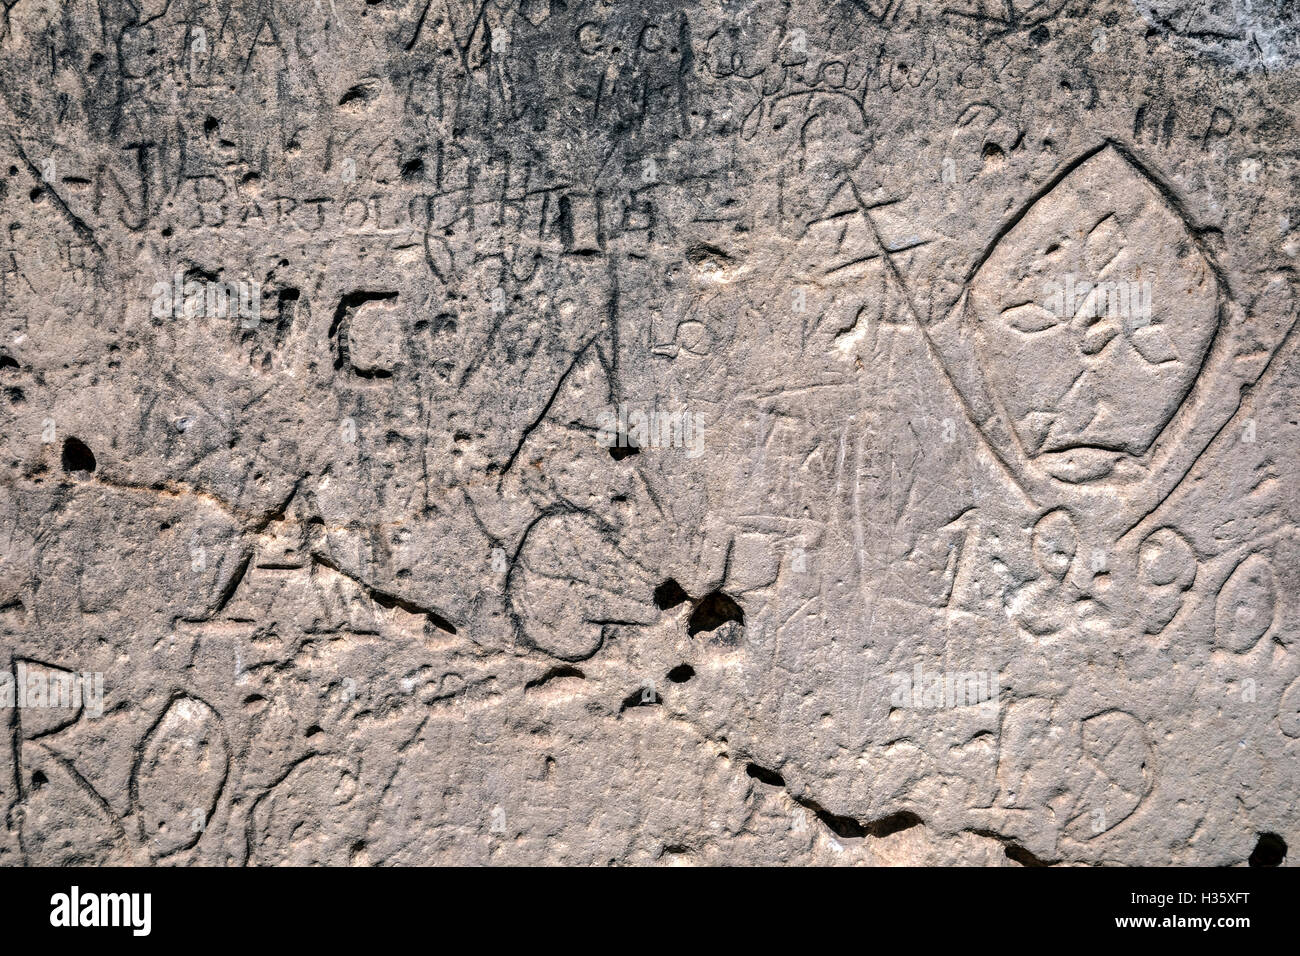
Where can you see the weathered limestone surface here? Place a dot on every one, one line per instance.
(529, 431)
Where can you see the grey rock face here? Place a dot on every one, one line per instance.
(548, 432)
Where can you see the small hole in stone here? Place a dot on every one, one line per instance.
(669, 594)
(714, 610)
(681, 673)
(1018, 854)
(763, 775)
(1269, 851)
(625, 448)
(894, 823)
(76, 456)
(642, 697)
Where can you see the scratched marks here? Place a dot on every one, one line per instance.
(895, 334)
(181, 772)
(1107, 375)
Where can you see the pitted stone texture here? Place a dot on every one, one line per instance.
(498, 432)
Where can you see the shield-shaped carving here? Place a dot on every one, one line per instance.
(1095, 346)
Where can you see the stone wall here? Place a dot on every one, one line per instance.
(595, 432)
